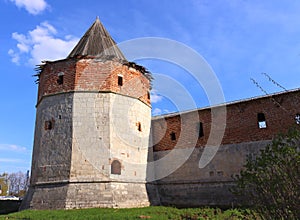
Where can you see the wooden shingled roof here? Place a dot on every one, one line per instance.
(97, 42)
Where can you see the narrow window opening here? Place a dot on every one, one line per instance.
(211, 173)
(173, 136)
(60, 79)
(59, 117)
(139, 126)
(116, 167)
(297, 119)
(48, 125)
(200, 129)
(148, 95)
(261, 120)
(120, 80)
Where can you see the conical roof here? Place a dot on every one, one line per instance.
(97, 42)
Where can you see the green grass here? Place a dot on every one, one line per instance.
(154, 212)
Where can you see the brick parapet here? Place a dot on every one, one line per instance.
(241, 122)
(92, 74)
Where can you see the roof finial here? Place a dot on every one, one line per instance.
(97, 17)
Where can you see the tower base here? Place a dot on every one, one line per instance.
(86, 195)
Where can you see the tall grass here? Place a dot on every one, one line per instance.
(155, 212)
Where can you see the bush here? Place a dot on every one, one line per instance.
(271, 181)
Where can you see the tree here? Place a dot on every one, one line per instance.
(17, 183)
(3, 184)
(271, 181)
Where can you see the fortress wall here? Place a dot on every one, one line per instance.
(241, 122)
(105, 128)
(188, 185)
(52, 145)
(191, 186)
(102, 75)
(49, 196)
(92, 132)
(92, 74)
(227, 162)
(90, 137)
(51, 161)
(98, 134)
(189, 195)
(130, 121)
(50, 74)
(106, 195)
(75, 195)
(86, 122)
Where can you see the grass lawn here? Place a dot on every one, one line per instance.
(154, 212)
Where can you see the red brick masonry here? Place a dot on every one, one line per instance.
(241, 121)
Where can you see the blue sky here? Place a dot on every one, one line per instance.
(239, 39)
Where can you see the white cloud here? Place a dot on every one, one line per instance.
(41, 44)
(32, 6)
(10, 160)
(15, 58)
(155, 97)
(13, 148)
(23, 42)
(158, 111)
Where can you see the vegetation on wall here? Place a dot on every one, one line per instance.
(271, 180)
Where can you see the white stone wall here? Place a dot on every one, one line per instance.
(90, 153)
(72, 161)
(128, 144)
(191, 186)
(52, 148)
(104, 129)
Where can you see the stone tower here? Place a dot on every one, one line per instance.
(92, 129)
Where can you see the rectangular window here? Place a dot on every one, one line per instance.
(139, 126)
(148, 95)
(48, 125)
(60, 79)
(120, 80)
(261, 120)
(173, 136)
(200, 130)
